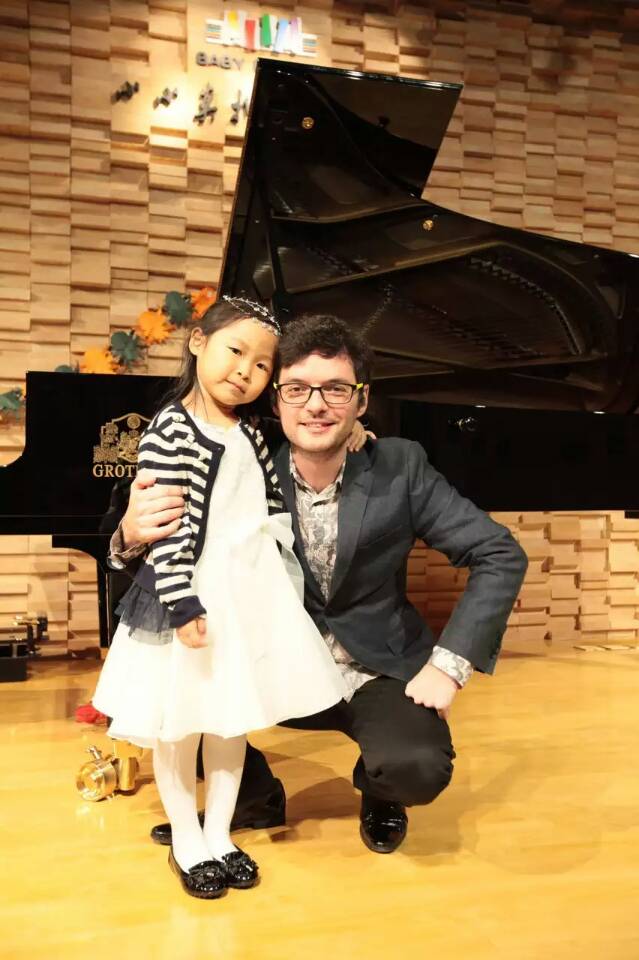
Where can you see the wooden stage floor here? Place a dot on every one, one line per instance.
(532, 852)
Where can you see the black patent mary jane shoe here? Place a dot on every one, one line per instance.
(383, 824)
(241, 871)
(206, 880)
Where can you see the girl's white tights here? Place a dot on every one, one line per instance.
(174, 769)
(223, 764)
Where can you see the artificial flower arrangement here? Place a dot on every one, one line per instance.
(128, 348)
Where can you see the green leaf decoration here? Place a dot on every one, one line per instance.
(127, 348)
(66, 368)
(11, 401)
(177, 307)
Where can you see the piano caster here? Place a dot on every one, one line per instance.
(102, 776)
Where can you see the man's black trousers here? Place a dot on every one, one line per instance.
(406, 753)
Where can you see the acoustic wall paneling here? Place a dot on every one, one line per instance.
(108, 205)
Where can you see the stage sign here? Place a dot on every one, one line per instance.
(267, 32)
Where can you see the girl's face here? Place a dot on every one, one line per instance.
(234, 364)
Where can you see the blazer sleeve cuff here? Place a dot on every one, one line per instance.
(457, 667)
(120, 556)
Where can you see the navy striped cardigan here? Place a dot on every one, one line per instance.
(179, 454)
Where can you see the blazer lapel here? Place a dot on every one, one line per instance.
(282, 467)
(356, 486)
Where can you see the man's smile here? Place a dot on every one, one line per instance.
(317, 426)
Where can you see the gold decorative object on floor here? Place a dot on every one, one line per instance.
(127, 763)
(103, 775)
(97, 778)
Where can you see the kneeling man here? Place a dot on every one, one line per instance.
(356, 517)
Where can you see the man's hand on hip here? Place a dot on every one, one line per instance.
(154, 510)
(432, 687)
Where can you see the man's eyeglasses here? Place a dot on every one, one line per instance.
(334, 394)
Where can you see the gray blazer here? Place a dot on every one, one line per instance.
(391, 496)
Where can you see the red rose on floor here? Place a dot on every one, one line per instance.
(86, 713)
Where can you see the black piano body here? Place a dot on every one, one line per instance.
(81, 436)
(511, 357)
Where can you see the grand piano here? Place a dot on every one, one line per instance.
(512, 357)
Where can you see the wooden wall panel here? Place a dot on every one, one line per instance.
(581, 585)
(106, 206)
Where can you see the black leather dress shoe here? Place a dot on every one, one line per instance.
(383, 824)
(206, 880)
(241, 871)
(269, 813)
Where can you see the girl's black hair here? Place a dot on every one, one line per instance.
(219, 315)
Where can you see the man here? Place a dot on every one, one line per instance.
(356, 518)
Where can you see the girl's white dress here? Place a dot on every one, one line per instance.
(265, 660)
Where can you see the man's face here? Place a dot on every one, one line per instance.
(315, 426)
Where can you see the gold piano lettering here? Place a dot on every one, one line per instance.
(116, 471)
(116, 454)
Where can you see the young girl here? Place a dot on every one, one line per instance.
(213, 637)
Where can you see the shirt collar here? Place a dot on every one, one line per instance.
(335, 486)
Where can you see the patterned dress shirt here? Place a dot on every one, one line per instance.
(318, 519)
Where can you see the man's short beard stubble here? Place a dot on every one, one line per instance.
(328, 453)
(319, 456)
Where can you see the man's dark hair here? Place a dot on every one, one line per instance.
(328, 336)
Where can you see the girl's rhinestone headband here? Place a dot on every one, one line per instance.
(257, 311)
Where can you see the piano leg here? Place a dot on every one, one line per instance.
(104, 615)
(112, 585)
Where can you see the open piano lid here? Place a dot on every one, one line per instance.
(328, 218)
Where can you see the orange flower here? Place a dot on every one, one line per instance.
(202, 300)
(153, 327)
(98, 360)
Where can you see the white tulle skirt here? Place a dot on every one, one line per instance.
(264, 661)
